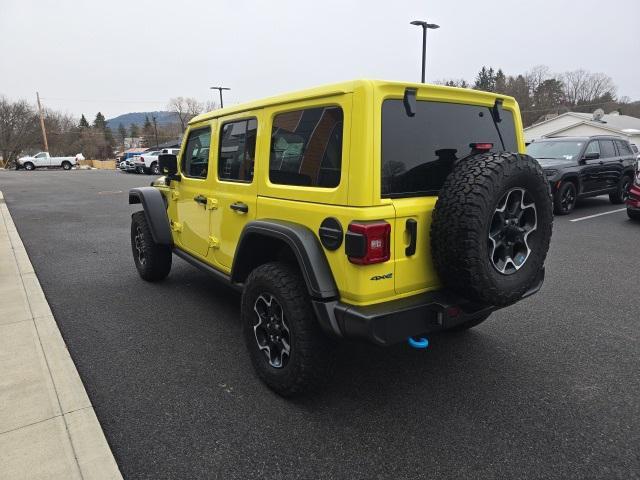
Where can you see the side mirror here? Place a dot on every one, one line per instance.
(168, 164)
(591, 156)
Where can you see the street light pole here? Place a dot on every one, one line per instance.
(425, 26)
(220, 89)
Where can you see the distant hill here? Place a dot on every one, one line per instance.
(138, 118)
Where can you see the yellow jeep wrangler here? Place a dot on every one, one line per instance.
(368, 209)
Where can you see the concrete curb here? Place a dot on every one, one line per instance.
(48, 427)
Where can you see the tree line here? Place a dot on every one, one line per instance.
(540, 92)
(20, 130)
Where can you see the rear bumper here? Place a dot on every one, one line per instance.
(633, 202)
(393, 322)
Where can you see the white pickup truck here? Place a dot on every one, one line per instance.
(148, 162)
(43, 159)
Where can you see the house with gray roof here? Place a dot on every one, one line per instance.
(586, 124)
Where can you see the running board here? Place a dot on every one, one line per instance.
(222, 277)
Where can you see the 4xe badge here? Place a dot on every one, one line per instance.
(382, 277)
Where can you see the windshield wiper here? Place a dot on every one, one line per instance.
(495, 116)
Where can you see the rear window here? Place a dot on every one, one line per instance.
(419, 152)
(306, 147)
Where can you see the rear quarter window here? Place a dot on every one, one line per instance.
(419, 152)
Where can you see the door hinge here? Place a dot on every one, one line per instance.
(175, 195)
(176, 227)
(214, 242)
(212, 203)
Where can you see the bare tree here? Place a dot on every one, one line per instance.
(582, 86)
(185, 108)
(536, 77)
(18, 129)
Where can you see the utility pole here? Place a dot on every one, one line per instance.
(155, 129)
(220, 90)
(44, 131)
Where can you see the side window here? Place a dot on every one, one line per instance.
(237, 150)
(195, 160)
(593, 147)
(306, 147)
(40, 155)
(623, 148)
(607, 150)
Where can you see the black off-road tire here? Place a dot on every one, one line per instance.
(29, 166)
(462, 221)
(310, 363)
(153, 261)
(469, 324)
(66, 165)
(633, 214)
(561, 204)
(620, 194)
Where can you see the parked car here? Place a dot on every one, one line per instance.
(43, 159)
(633, 200)
(375, 210)
(578, 167)
(147, 162)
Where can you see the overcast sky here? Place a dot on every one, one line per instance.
(122, 56)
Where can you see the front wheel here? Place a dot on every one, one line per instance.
(621, 192)
(66, 166)
(153, 261)
(288, 350)
(29, 166)
(564, 201)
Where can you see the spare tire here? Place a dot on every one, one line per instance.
(491, 227)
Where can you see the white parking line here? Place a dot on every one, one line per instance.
(598, 214)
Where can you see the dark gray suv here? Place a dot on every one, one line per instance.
(578, 167)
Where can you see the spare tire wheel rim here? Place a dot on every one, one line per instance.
(514, 219)
(271, 330)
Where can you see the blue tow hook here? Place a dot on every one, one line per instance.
(419, 343)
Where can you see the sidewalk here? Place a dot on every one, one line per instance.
(48, 428)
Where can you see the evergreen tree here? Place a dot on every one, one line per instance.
(122, 134)
(500, 82)
(83, 122)
(100, 123)
(147, 132)
(134, 131)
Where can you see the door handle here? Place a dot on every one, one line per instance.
(412, 228)
(239, 207)
(201, 199)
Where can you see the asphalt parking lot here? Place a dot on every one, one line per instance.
(547, 388)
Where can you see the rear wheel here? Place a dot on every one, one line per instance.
(491, 227)
(66, 165)
(565, 199)
(155, 169)
(29, 166)
(633, 214)
(622, 191)
(288, 349)
(140, 169)
(153, 261)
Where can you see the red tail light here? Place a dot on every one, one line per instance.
(483, 146)
(368, 242)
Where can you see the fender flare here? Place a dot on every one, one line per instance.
(303, 243)
(155, 212)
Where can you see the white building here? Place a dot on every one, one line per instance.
(586, 124)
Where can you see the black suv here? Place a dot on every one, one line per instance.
(579, 167)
